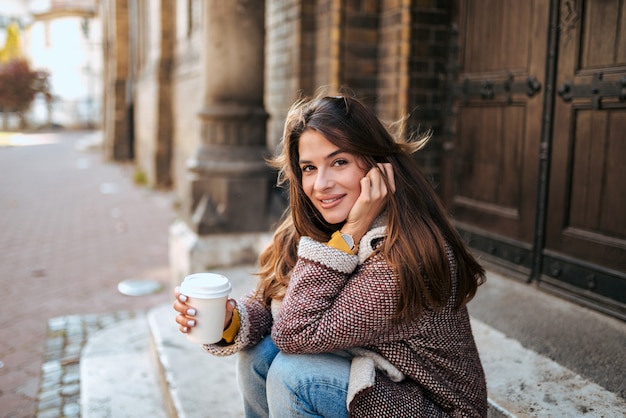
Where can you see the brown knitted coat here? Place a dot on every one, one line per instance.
(428, 367)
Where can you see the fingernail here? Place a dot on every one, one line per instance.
(182, 298)
(185, 329)
(191, 312)
(233, 304)
(191, 323)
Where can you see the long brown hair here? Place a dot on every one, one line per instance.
(418, 228)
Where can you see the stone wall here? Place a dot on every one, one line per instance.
(288, 25)
(186, 91)
(391, 53)
(154, 39)
(116, 119)
(430, 27)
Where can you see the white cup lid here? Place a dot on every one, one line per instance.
(205, 285)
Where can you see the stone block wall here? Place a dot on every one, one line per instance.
(154, 36)
(186, 91)
(391, 53)
(287, 60)
(117, 115)
(359, 48)
(430, 26)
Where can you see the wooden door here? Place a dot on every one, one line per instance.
(489, 176)
(585, 248)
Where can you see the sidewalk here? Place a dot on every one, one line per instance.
(72, 227)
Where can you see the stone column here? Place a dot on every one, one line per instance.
(227, 210)
(117, 100)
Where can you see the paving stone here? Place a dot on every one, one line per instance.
(54, 343)
(62, 255)
(71, 410)
(49, 413)
(52, 376)
(51, 403)
(72, 369)
(51, 366)
(71, 378)
(72, 389)
(51, 393)
(57, 324)
(48, 384)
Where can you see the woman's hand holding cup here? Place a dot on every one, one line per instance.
(203, 297)
(186, 313)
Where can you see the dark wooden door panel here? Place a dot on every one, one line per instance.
(513, 153)
(585, 246)
(490, 167)
(598, 197)
(497, 35)
(491, 162)
(587, 210)
(604, 44)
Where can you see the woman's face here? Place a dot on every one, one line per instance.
(330, 177)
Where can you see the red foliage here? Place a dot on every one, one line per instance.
(19, 85)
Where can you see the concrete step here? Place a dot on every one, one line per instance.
(198, 385)
(522, 383)
(117, 368)
(118, 374)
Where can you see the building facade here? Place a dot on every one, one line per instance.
(526, 101)
(63, 38)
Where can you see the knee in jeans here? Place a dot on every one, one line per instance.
(257, 358)
(286, 371)
(249, 361)
(315, 383)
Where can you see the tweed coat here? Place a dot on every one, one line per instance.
(428, 367)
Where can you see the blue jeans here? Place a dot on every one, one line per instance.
(274, 384)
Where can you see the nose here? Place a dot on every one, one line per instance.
(323, 181)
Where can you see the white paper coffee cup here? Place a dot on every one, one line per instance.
(207, 293)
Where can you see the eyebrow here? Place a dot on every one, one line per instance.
(328, 157)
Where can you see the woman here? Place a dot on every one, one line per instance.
(360, 308)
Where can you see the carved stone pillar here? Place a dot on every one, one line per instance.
(229, 178)
(228, 172)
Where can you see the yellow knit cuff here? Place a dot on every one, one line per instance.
(337, 242)
(231, 332)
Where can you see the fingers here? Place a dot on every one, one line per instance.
(230, 307)
(231, 304)
(186, 313)
(185, 323)
(374, 185)
(185, 318)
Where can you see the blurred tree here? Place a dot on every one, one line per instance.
(19, 84)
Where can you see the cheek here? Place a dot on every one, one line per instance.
(307, 186)
(356, 180)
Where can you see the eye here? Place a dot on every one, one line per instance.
(339, 162)
(307, 168)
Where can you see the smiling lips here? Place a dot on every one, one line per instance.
(330, 202)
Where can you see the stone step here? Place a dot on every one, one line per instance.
(198, 384)
(522, 383)
(118, 374)
(117, 368)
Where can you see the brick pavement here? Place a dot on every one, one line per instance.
(71, 227)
